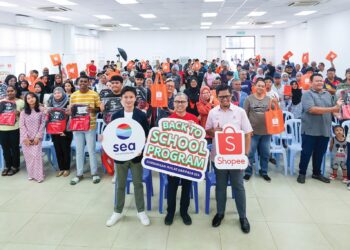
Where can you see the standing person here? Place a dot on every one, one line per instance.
(332, 81)
(32, 124)
(296, 106)
(9, 137)
(88, 97)
(238, 96)
(316, 120)
(193, 95)
(227, 113)
(92, 69)
(181, 103)
(204, 105)
(134, 165)
(61, 142)
(209, 77)
(256, 106)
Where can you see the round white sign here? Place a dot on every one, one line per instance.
(123, 139)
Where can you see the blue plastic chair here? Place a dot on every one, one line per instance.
(277, 149)
(147, 179)
(49, 150)
(163, 187)
(2, 160)
(329, 153)
(293, 129)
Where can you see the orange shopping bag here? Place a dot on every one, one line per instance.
(305, 58)
(230, 142)
(159, 96)
(55, 59)
(166, 67)
(331, 56)
(287, 91)
(72, 70)
(130, 65)
(274, 119)
(305, 82)
(288, 55)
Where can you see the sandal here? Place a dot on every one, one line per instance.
(12, 171)
(66, 173)
(75, 180)
(5, 172)
(59, 173)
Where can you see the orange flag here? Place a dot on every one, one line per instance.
(72, 70)
(288, 55)
(196, 66)
(166, 67)
(55, 59)
(305, 58)
(331, 56)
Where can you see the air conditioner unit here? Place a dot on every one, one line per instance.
(304, 3)
(24, 20)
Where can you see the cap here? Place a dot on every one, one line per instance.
(229, 73)
(277, 75)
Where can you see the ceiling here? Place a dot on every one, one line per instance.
(178, 14)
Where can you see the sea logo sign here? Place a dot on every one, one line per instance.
(230, 147)
(177, 148)
(123, 139)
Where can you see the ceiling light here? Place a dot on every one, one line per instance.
(147, 15)
(209, 14)
(125, 25)
(61, 18)
(305, 13)
(62, 2)
(257, 13)
(278, 22)
(267, 26)
(106, 29)
(127, 1)
(213, 1)
(206, 23)
(235, 27)
(205, 27)
(103, 17)
(6, 4)
(134, 28)
(91, 25)
(242, 23)
(164, 28)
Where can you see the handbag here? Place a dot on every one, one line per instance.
(274, 119)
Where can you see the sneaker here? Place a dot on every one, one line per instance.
(96, 179)
(266, 178)
(143, 218)
(169, 218)
(321, 178)
(247, 177)
(301, 179)
(333, 176)
(345, 180)
(114, 219)
(76, 180)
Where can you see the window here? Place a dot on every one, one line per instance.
(239, 48)
(86, 49)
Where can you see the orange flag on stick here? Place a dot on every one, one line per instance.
(55, 59)
(166, 67)
(305, 58)
(331, 56)
(72, 70)
(288, 55)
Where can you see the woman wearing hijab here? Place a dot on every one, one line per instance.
(295, 106)
(193, 96)
(61, 142)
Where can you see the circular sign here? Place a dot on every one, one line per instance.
(123, 139)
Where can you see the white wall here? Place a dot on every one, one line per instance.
(173, 44)
(318, 37)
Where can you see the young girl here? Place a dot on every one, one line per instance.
(61, 142)
(9, 137)
(69, 88)
(32, 123)
(338, 147)
(39, 89)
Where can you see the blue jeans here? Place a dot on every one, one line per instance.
(315, 146)
(90, 137)
(262, 144)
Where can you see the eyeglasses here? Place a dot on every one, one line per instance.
(224, 97)
(180, 102)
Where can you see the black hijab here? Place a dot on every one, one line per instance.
(192, 93)
(42, 93)
(296, 94)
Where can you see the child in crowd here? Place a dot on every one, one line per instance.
(339, 152)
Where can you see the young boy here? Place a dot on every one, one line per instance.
(339, 152)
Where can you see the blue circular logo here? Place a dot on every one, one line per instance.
(123, 131)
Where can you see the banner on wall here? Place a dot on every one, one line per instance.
(7, 66)
(178, 148)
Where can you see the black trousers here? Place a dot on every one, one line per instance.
(173, 184)
(9, 141)
(63, 150)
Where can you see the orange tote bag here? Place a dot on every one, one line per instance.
(274, 119)
(159, 95)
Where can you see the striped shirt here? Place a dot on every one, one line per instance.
(90, 98)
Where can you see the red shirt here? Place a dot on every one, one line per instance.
(92, 70)
(186, 117)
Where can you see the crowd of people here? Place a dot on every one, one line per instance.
(211, 94)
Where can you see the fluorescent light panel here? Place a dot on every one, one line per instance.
(206, 23)
(278, 22)
(61, 18)
(7, 4)
(127, 1)
(205, 27)
(62, 2)
(134, 28)
(125, 25)
(103, 17)
(235, 27)
(305, 13)
(147, 16)
(213, 1)
(209, 14)
(91, 25)
(242, 23)
(267, 26)
(164, 28)
(106, 29)
(257, 13)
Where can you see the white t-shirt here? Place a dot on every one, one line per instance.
(128, 114)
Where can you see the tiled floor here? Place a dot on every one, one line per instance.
(283, 215)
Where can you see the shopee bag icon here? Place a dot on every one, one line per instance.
(230, 142)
